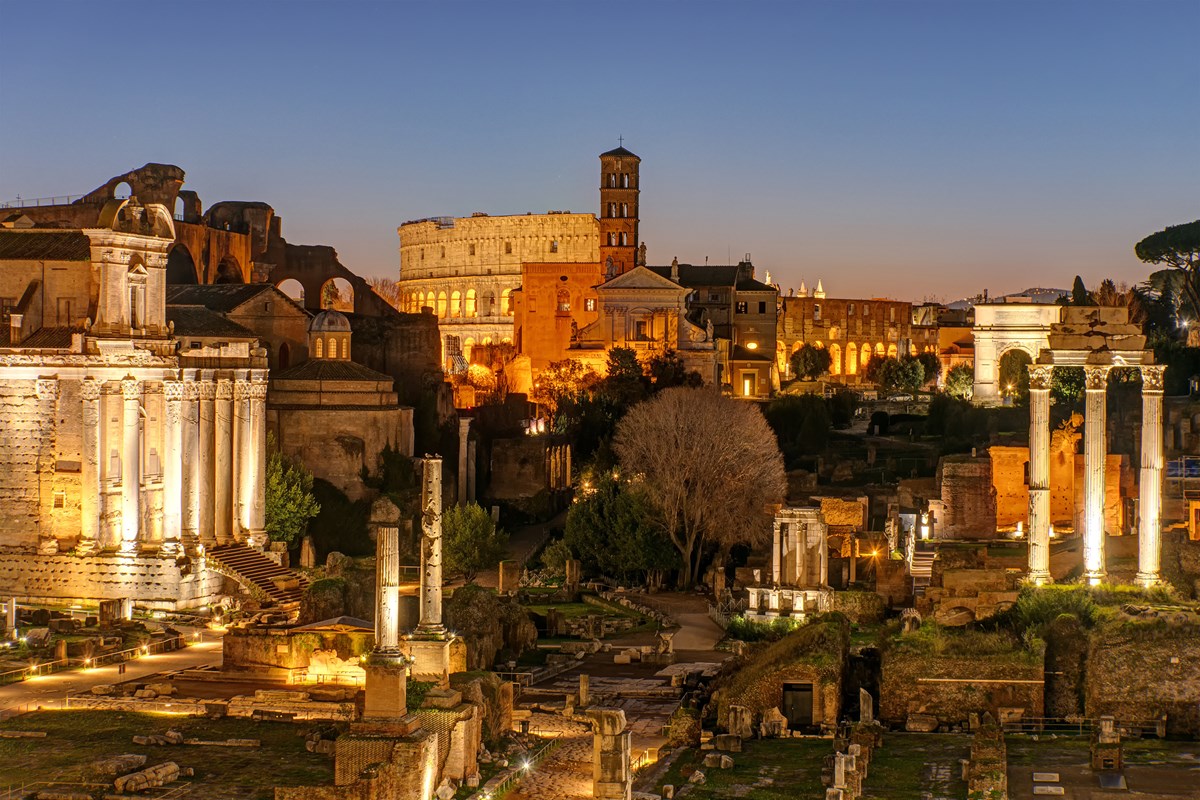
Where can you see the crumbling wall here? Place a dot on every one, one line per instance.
(968, 497)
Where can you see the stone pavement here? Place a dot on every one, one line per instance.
(566, 774)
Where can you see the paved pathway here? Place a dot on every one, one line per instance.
(566, 774)
(50, 689)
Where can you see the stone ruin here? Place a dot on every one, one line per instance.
(1107, 752)
(986, 771)
(799, 578)
(612, 777)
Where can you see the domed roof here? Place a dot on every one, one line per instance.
(329, 321)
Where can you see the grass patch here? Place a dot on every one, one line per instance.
(778, 769)
(909, 764)
(74, 739)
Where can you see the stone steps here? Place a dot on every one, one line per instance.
(249, 566)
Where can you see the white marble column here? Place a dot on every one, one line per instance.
(387, 581)
(256, 462)
(824, 550)
(1040, 378)
(776, 552)
(90, 499)
(172, 466)
(1150, 480)
(431, 548)
(46, 390)
(241, 438)
(1094, 458)
(208, 488)
(131, 464)
(189, 456)
(223, 461)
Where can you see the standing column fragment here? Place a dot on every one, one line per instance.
(89, 468)
(1040, 378)
(131, 462)
(1094, 458)
(387, 578)
(172, 469)
(1150, 480)
(431, 547)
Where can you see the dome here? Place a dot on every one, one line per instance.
(329, 321)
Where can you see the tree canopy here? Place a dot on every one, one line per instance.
(289, 499)
(1178, 247)
(810, 362)
(801, 423)
(709, 467)
(471, 542)
(960, 381)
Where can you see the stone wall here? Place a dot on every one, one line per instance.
(1139, 669)
(155, 582)
(1066, 473)
(255, 649)
(968, 499)
(28, 436)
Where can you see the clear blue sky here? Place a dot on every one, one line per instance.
(909, 149)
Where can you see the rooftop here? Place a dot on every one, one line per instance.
(195, 320)
(44, 245)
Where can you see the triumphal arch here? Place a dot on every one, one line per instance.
(1097, 339)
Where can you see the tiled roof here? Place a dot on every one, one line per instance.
(329, 369)
(692, 275)
(43, 338)
(201, 321)
(223, 297)
(753, 285)
(38, 245)
(620, 151)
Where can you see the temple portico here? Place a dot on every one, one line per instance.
(1097, 340)
(799, 581)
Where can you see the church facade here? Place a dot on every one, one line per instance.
(123, 457)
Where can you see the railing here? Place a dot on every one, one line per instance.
(34, 202)
(497, 790)
(50, 667)
(1082, 726)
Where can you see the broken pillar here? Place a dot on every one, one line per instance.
(584, 688)
(574, 570)
(386, 701)
(510, 577)
(612, 777)
(866, 707)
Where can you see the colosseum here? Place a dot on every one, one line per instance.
(466, 269)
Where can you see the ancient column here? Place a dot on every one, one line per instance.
(471, 471)
(237, 454)
(223, 461)
(387, 579)
(431, 547)
(207, 458)
(1094, 447)
(1040, 377)
(776, 552)
(131, 463)
(46, 390)
(172, 466)
(189, 456)
(612, 778)
(256, 461)
(89, 468)
(1150, 480)
(464, 429)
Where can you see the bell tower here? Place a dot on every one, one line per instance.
(618, 210)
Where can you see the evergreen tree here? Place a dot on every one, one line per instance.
(290, 503)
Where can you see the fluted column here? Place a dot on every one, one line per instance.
(1094, 457)
(387, 579)
(89, 468)
(189, 456)
(131, 463)
(464, 430)
(238, 453)
(206, 522)
(431, 547)
(1040, 378)
(172, 466)
(256, 461)
(223, 461)
(776, 552)
(1150, 480)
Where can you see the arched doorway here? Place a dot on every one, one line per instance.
(835, 359)
(285, 356)
(338, 294)
(852, 359)
(1013, 369)
(228, 271)
(293, 289)
(181, 267)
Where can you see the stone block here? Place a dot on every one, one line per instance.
(728, 742)
(921, 723)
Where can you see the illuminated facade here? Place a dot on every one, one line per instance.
(122, 456)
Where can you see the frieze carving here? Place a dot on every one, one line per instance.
(1152, 378)
(1096, 377)
(1041, 376)
(137, 358)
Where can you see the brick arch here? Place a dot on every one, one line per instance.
(313, 276)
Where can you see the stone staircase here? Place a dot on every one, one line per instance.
(922, 571)
(257, 574)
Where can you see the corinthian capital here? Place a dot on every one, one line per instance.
(1041, 376)
(90, 388)
(173, 390)
(224, 389)
(1152, 378)
(131, 389)
(1096, 377)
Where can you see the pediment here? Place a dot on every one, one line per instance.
(641, 278)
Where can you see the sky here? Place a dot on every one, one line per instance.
(916, 150)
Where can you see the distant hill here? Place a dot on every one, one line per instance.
(1035, 295)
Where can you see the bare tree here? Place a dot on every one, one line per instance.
(389, 290)
(710, 466)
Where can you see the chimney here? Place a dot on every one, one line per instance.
(15, 322)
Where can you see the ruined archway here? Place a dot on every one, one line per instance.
(338, 294)
(293, 289)
(228, 271)
(122, 191)
(181, 267)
